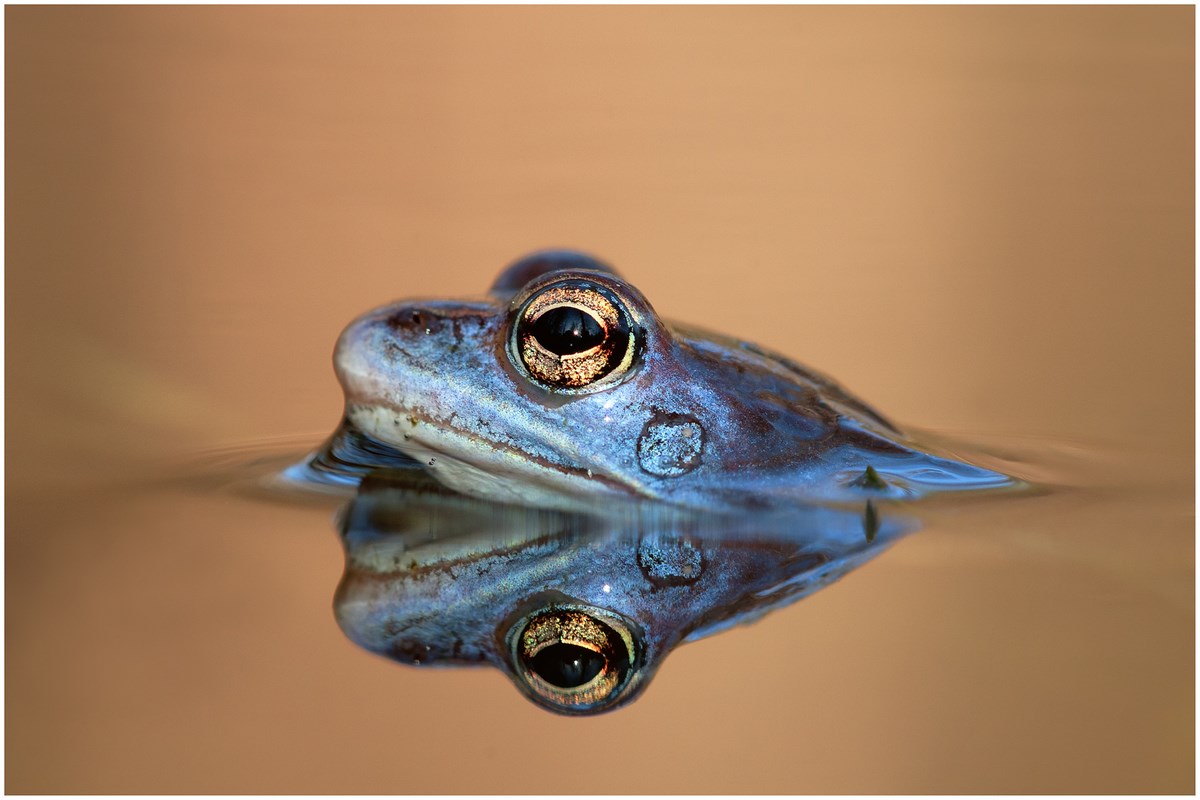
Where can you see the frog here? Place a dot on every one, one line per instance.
(579, 608)
(564, 386)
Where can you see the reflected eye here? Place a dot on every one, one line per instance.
(574, 337)
(573, 660)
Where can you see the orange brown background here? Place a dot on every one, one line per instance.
(980, 219)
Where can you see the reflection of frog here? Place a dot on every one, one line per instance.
(579, 609)
(565, 384)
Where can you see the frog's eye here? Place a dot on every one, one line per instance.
(574, 337)
(573, 660)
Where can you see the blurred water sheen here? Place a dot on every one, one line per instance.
(979, 219)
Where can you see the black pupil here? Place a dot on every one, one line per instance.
(566, 329)
(567, 665)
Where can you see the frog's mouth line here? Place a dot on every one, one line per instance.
(407, 422)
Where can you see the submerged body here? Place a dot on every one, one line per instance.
(565, 386)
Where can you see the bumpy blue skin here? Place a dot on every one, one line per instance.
(700, 419)
(438, 579)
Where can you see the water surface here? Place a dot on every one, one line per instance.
(980, 220)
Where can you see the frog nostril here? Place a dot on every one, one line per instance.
(409, 320)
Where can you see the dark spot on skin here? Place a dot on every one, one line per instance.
(670, 445)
